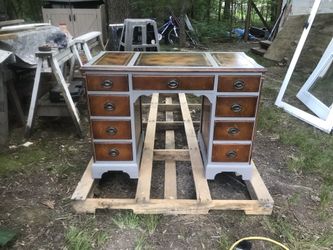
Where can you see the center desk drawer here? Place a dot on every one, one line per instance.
(236, 106)
(111, 129)
(109, 105)
(107, 82)
(149, 82)
(113, 152)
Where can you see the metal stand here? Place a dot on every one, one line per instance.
(128, 41)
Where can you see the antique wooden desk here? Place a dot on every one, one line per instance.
(229, 83)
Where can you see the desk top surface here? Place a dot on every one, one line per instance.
(173, 61)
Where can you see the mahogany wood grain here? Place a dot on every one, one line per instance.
(148, 82)
(233, 130)
(111, 129)
(239, 83)
(172, 59)
(123, 152)
(98, 105)
(231, 153)
(236, 106)
(115, 58)
(107, 82)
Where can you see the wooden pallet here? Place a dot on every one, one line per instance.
(261, 202)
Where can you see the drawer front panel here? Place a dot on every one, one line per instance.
(148, 82)
(107, 83)
(231, 153)
(109, 105)
(111, 129)
(236, 106)
(233, 130)
(113, 152)
(239, 83)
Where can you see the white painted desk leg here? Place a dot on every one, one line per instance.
(34, 97)
(87, 51)
(67, 96)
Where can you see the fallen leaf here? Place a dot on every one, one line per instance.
(49, 204)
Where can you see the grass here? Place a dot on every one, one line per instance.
(84, 239)
(224, 242)
(140, 242)
(294, 238)
(129, 220)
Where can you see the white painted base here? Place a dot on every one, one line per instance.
(243, 169)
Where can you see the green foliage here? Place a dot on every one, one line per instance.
(213, 31)
(29, 10)
(127, 220)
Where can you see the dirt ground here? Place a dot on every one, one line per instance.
(35, 194)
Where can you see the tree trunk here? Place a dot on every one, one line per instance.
(247, 21)
(118, 10)
(226, 10)
(208, 11)
(220, 9)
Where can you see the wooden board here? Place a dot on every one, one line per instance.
(261, 202)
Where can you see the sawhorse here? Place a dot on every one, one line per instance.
(54, 59)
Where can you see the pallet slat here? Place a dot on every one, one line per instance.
(146, 166)
(170, 181)
(201, 184)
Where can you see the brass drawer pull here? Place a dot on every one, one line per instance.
(232, 154)
(107, 84)
(173, 84)
(109, 106)
(236, 108)
(239, 84)
(111, 131)
(233, 131)
(113, 152)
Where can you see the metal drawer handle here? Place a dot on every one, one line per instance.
(232, 154)
(109, 106)
(107, 84)
(173, 84)
(233, 131)
(239, 84)
(236, 108)
(111, 131)
(113, 152)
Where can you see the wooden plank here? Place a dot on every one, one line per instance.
(144, 181)
(169, 154)
(3, 110)
(201, 185)
(258, 189)
(168, 206)
(85, 185)
(8, 36)
(171, 107)
(34, 97)
(170, 180)
(11, 22)
(164, 125)
(67, 96)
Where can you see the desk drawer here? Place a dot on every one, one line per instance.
(231, 153)
(239, 83)
(236, 106)
(233, 130)
(111, 129)
(113, 152)
(107, 83)
(148, 82)
(109, 105)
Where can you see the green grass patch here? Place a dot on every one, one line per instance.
(141, 242)
(22, 159)
(294, 239)
(127, 220)
(84, 239)
(224, 242)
